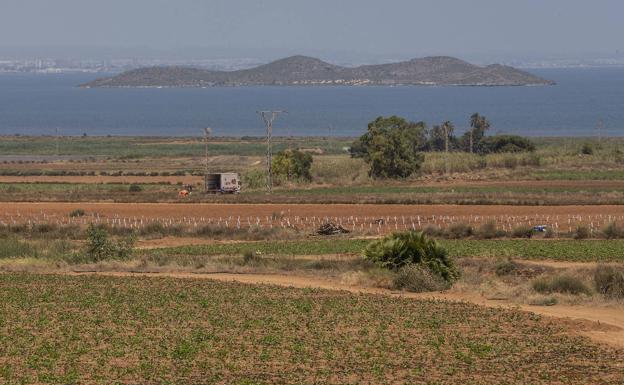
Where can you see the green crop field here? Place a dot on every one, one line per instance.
(563, 250)
(595, 250)
(138, 147)
(115, 330)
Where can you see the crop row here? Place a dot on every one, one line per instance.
(569, 250)
(354, 223)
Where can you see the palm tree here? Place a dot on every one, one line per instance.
(478, 124)
(448, 128)
(448, 131)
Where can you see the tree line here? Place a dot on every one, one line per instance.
(395, 147)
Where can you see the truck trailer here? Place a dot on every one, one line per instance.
(223, 183)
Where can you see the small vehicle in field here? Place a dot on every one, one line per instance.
(223, 183)
(540, 228)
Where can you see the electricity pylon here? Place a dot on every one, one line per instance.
(268, 117)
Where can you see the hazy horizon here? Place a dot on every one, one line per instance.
(359, 30)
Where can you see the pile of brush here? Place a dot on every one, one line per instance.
(330, 228)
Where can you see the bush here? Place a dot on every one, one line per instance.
(505, 143)
(254, 179)
(609, 281)
(611, 231)
(582, 232)
(550, 233)
(523, 232)
(77, 213)
(488, 230)
(419, 279)
(293, 165)
(392, 147)
(43, 228)
(432, 231)
(135, 188)
(400, 249)
(153, 228)
(506, 267)
(566, 284)
(543, 301)
(100, 247)
(587, 149)
(250, 257)
(510, 162)
(459, 230)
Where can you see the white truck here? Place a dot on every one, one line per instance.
(223, 183)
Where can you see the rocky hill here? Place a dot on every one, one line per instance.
(303, 70)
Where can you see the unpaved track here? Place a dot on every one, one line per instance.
(179, 210)
(601, 324)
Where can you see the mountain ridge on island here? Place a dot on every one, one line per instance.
(306, 71)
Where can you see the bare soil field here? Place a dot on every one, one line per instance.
(179, 210)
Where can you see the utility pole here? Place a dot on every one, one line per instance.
(207, 132)
(446, 137)
(599, 126)
(57, 142)
(268, 117)
(329, 138)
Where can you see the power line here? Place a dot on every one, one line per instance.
(268, 117)
(599, 127)
(207, 132)
(57, 142)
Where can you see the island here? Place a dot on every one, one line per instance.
(309, 71)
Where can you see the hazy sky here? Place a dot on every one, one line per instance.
(314, 26)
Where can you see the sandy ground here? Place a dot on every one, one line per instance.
(601, 324)
(179, 210)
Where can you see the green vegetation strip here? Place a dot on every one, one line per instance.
(64, 187)
(364, 190)
(139, 147)
(563, 250)
(131, 330)
(578, 174)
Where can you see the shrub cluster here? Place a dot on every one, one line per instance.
(564, 283)
(419, 279)
(398, 250)
(609, 281)
(100, 247)
(77, 213)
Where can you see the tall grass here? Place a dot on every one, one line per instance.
(13, 247)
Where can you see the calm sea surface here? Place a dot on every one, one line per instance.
(37, 104)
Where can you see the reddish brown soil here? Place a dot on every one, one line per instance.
(179, 210)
